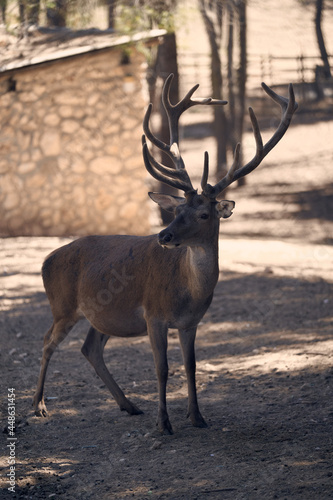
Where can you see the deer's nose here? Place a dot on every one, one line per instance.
(165, 237)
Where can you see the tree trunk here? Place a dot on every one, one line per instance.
(320, 38)
(3, 6)
(111, 4)
(21, 6)
(242, 77)
(220, 119)
(32, 8)
(166, 64)
(56, 16)
(230, 78)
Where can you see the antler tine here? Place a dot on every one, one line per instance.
(172, 149)
(174, 111)
(178, 179)
(288, 107)
(157, 142)
(205, 173)
(212, 191)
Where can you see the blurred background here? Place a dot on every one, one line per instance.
(75, 80)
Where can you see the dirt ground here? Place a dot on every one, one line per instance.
(264, 361)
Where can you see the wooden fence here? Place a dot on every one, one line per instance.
(298, 69)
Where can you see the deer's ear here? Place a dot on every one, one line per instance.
(224, 208)
(166, 201)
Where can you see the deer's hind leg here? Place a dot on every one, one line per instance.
(54, 336)
(92, 349)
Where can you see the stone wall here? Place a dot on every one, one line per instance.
(70, 147)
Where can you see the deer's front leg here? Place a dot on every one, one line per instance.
(187, 339)
(158, 336)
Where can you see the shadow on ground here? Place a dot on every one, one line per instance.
(265, 386)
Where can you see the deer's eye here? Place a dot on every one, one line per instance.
(204, 216)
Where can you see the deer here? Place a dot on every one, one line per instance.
(128, 286)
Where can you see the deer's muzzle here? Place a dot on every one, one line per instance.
(166, 239)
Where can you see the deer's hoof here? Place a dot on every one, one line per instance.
(165, 427)
(198, 421)
(202, 424)
(40, 410)
(131, 409)
(166, 431)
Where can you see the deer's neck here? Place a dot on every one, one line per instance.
(202, 268)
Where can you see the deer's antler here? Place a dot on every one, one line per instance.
(288, 108)
(176, 177)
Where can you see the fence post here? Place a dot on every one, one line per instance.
(262, 67)
(302, 71)
(270, 66)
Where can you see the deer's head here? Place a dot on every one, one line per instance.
(197, 215)
(196, 218)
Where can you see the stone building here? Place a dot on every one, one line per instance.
(70, 139)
